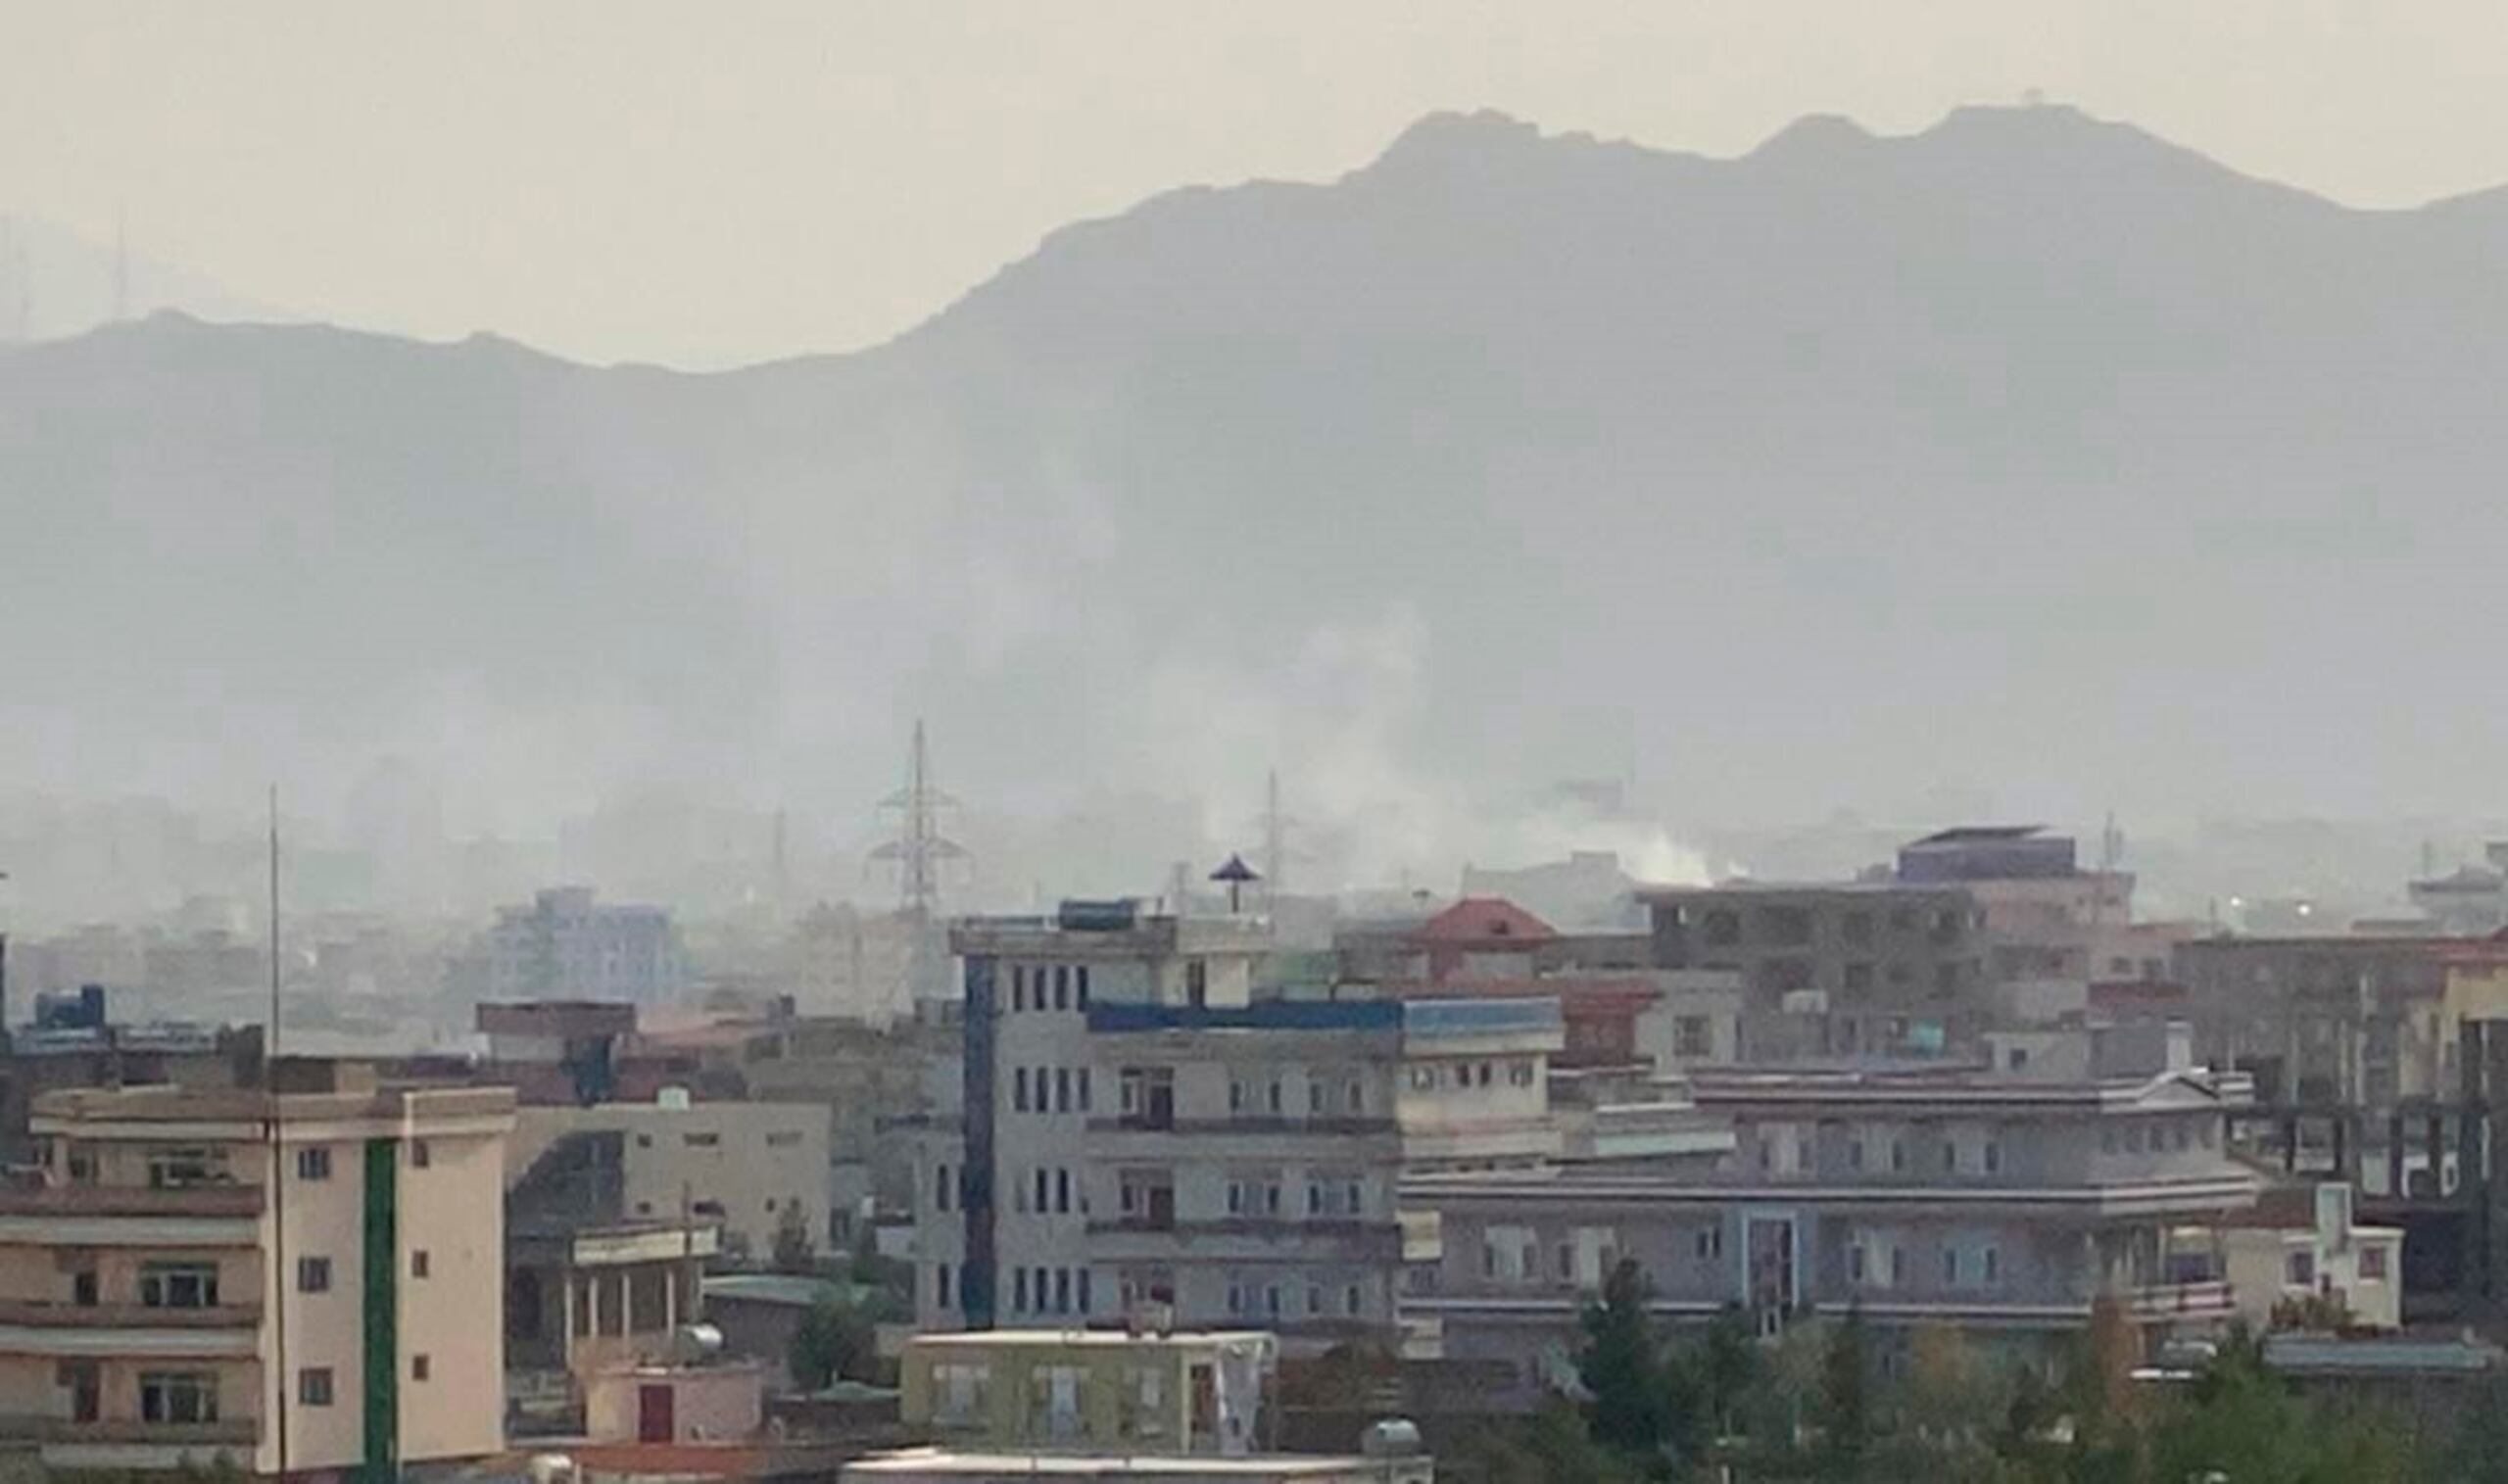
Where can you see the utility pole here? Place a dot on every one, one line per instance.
(280, 1285)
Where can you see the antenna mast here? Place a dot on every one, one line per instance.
(279, 1285)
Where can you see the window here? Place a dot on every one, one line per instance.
(1062, 1191)
(1041, 1206)
(1897, 1266)
(1854, 1263)
(1019, 1089)
(1018, 986)
(941, 1284)
(177, 1396)
(1019, 1290)
(1198, 984)
(1079, 987)
(784, 1139)
(421, 1156)
(1062, 1288)
(1990, 1266)
(942, 1187)
(1424, 1078)
(1488, 1074)
(175, 1286)
(418, 1260)
(1271, 1097)
(418, 1367)
(1994, 1155)
(1314, 1098)
(1354, 1096)
(314, 1386)
(313, 1163)
(1519, 1073)
(83, 1288)
(1084, 1290)
(1084, 1089)
(1709, 1243)
(313, 1274)
(1693, 1036)
(1062, 1089)
(2373, 1264)
(1062, 986)
(1854, 1152)
(2298, 1270)
(1950, 1267)
(85, 1381)
(1898, 1156)
(174, 1167)
(701, 1140)
(1236, 1097)
(1949, 1157)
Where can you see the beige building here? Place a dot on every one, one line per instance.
(2300, 1243)
(741, 1165)
(137, 1270)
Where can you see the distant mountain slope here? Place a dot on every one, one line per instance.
(56, 283)
(2029, 451)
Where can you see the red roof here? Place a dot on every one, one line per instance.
(1477, 922)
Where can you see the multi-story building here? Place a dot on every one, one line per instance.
(303, 1283)
(2006, 1205)
(567, 945)
(1138, 1128)
(1862, 968)
(749, 1169)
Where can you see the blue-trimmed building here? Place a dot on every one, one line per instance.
(1143, 1128)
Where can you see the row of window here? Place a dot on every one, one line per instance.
(1049, 1290)
(2156, 1135)
(1789, 1149)
(1049, 1089)
(1323, 1097)
(1877, 1263)
(1062, 986)
(1277, 1298)
(1584, 1256)
(1430, 1077)
(313, 1387)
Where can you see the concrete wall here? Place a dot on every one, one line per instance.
(751, 1159)
(707, 1405)
(453, 1210)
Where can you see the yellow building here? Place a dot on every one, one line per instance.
(137, 1270)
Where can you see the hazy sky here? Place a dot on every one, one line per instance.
(710, 183)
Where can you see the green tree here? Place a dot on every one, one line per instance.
(1630, 1407)
(1846, 1406)
(833, 1340)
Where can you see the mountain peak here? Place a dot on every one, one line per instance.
(1448, 137)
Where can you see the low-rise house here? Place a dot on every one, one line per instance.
(2298, 1256)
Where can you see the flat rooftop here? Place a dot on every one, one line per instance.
(1107, 1339)
(923, 1462)
(171, 1103)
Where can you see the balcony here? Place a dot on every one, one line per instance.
(206, 1200)
(226, 1432)
(33, 1314)
(2208, 1299)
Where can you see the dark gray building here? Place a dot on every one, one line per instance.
(1839, 970)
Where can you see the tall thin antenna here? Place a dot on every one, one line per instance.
(1277, 826)
(278, 1287)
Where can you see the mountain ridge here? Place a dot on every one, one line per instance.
(1417, 482)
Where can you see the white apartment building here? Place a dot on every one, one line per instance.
(303, 1283)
